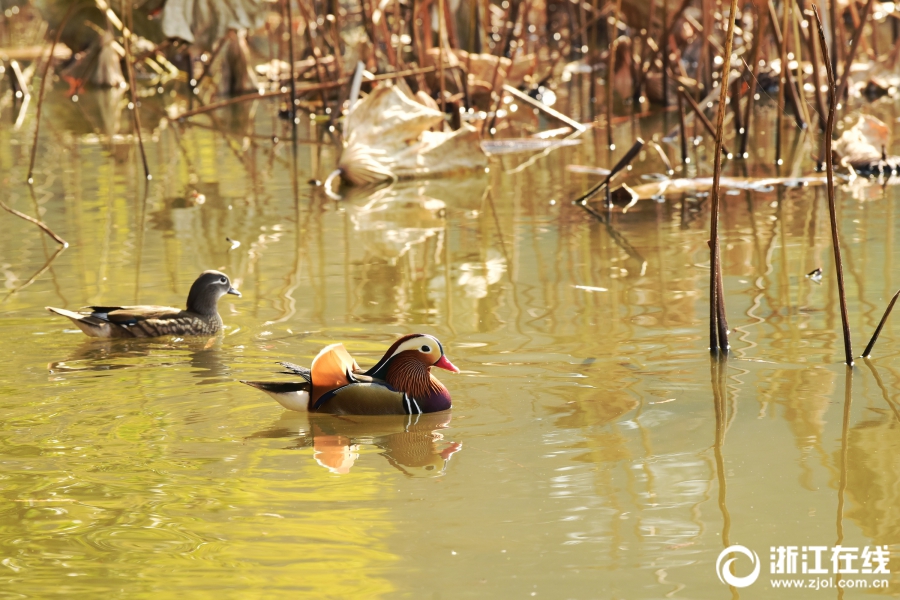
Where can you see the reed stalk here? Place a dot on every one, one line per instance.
(851, 54)
(685, 159)
(795, 23)
(40, 103)
(132, 86)
(829, 171)
(754, 70)
(610, 70)
(782, 80)
(40, 224)
(664, 44)
(290, 30)
(321, 73)
(700, 115)
(868, 351)
(790, 87)
(300, 91)
(622, 164)
(817, 76)
(832, 23)
(718, 325)
(441, 56)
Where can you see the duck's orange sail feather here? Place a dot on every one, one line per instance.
(329, 370)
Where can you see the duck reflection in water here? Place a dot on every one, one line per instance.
(94, 355)
(412, 444)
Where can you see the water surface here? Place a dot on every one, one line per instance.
(593, 450)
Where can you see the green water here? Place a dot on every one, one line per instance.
(593, 451)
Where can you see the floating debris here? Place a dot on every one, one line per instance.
(862, 147)
(815, 275)
(514, 146)
(587, 170)
(234, 244)
(390, 136)
(699, 185)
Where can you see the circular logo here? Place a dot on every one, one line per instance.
(723, 569)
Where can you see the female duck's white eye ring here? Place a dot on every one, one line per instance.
(425, 349)
(223, 280)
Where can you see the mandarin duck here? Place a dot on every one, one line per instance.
(200, 318)
(400, 383)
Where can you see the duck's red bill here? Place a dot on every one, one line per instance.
(446, 364)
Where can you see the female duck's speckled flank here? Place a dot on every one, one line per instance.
(400, 383)
(200, 318)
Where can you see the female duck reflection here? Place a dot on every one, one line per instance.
(411, 443)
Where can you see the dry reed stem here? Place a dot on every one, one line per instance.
(40, 224)
(703, 74)
(290, 31)
(751, 97)
(735, 103)
(663, 45)
(499, 54)
(829, 171)
(681, 125)
(700, 115)
(868, 351)
(854, 45)
(613, 35)
(300, 91)
(208, 65)
(543, 107)
(441, 56)
(132, 88)
(781, 38)
(512, 13)
(817, 78)
(321, 74)
(832, 23)
(796, 15)
(623, 163)
(791, 87)
(40, 102)
(37, 274)
(718, 326)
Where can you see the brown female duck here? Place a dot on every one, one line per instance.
(400, 383)
(200, 318)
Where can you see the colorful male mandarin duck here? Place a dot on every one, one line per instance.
(200, 318)
(400, 383)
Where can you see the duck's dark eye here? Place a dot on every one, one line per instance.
(223, 280)
(425, 349)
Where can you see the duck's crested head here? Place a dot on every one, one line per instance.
(206, 291)
(416, 347)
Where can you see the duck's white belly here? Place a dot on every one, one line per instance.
(298, 401)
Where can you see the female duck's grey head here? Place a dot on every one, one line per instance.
(206, 291)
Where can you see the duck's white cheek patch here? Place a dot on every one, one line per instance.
(416, 344)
